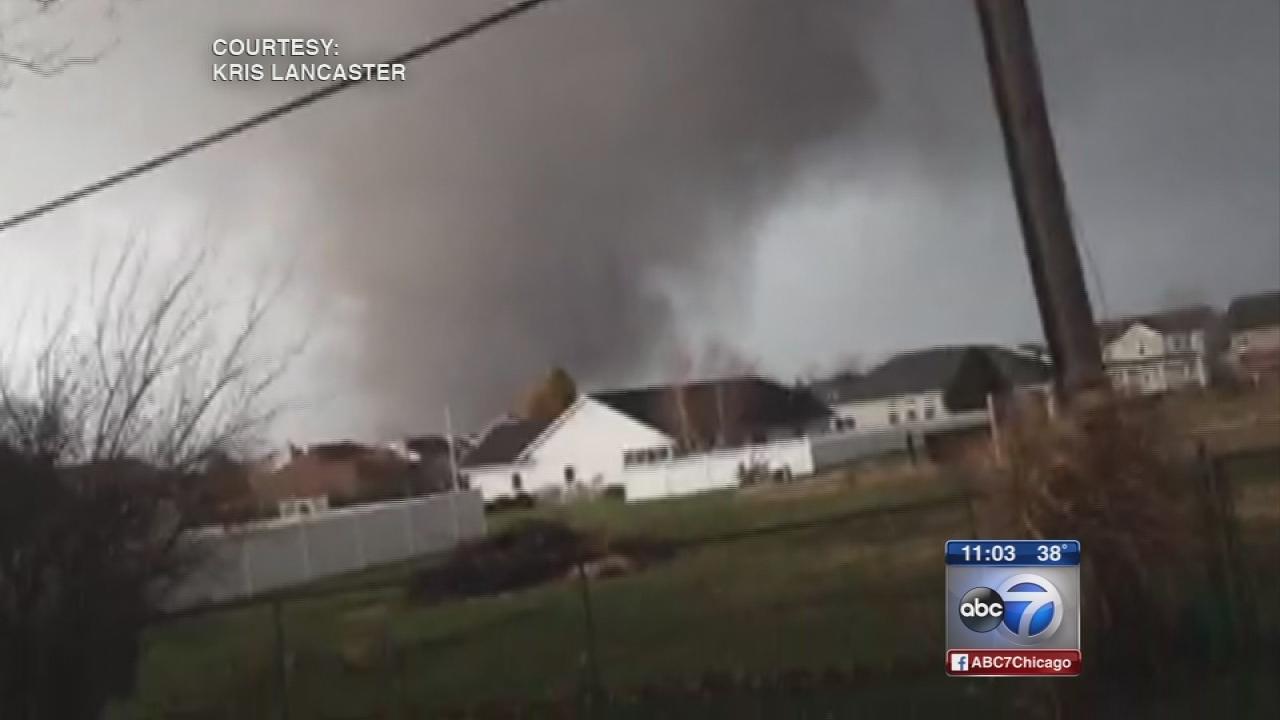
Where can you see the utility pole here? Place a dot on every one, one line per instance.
(453, 453)
(453, 476)
(1040, 194)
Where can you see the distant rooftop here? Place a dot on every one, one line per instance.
(503, 441)
(1198, 317)
(939, 368)
(1254, 311)
(729, 409)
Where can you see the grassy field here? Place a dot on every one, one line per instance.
(824, 577)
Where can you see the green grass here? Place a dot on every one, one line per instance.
(840, 584)
(810, 595)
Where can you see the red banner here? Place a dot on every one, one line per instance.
(1013, 663)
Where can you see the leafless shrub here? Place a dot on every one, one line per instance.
(1109, 474)
(103, 431)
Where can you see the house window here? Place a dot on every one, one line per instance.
(1179, 342)
(911, 414)
(568, 473)
(299, 507)
(893, 418)
(929, 412)
(1142, 350)
(517, 482)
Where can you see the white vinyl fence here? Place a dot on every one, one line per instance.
(715, 470)
(843, 447)
(840, 448)
(269, 555)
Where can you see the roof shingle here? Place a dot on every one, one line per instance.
(1254, 311)
(980, 368)
(727, 410)
(1199, 317)
(504, 442)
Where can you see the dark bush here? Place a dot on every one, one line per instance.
(529, 553)
(521, 501)
(643, 551)
(615, 492)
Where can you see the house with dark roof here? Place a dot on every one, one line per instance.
(1159, 352)
(346, 472)
(652, 441)
(333, 473)
(933, 387)
(430, 455)
(1254, 324)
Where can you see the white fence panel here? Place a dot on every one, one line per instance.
(715, 470)
(276, 554)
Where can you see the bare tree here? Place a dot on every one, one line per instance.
(24, 48)
(103, 433)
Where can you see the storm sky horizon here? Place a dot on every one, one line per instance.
(644, 192)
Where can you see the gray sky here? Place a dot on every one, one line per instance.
(618, 186)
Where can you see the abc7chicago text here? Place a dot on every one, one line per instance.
(1020, 662)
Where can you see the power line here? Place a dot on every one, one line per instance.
(439, 43)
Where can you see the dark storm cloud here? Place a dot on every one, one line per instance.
(521, 203)
(604, 183)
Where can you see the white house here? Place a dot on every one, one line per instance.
(1161, 352)
(1254, 322)
(652, 441)
(934, 387)
(496, 465)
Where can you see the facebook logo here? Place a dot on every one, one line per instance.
(959, 662)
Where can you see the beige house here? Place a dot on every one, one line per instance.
(1254, 323)
(1160, 352)
(333, 473)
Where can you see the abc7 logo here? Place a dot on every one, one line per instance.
(1026, 608)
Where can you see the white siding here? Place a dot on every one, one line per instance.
(1143, 360)
(1257, 340)
(493, 481)
(715, 470)
(1139, 342)
(590, 438)
(896, 411)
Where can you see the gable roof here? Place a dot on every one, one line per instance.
(503, 441)
(908, 372)
(1254, 311)
(338, 450)
(1199, 317)
(730, 409)
(429, 446)
(1019, 368)
(837, 387)
(982, 367)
